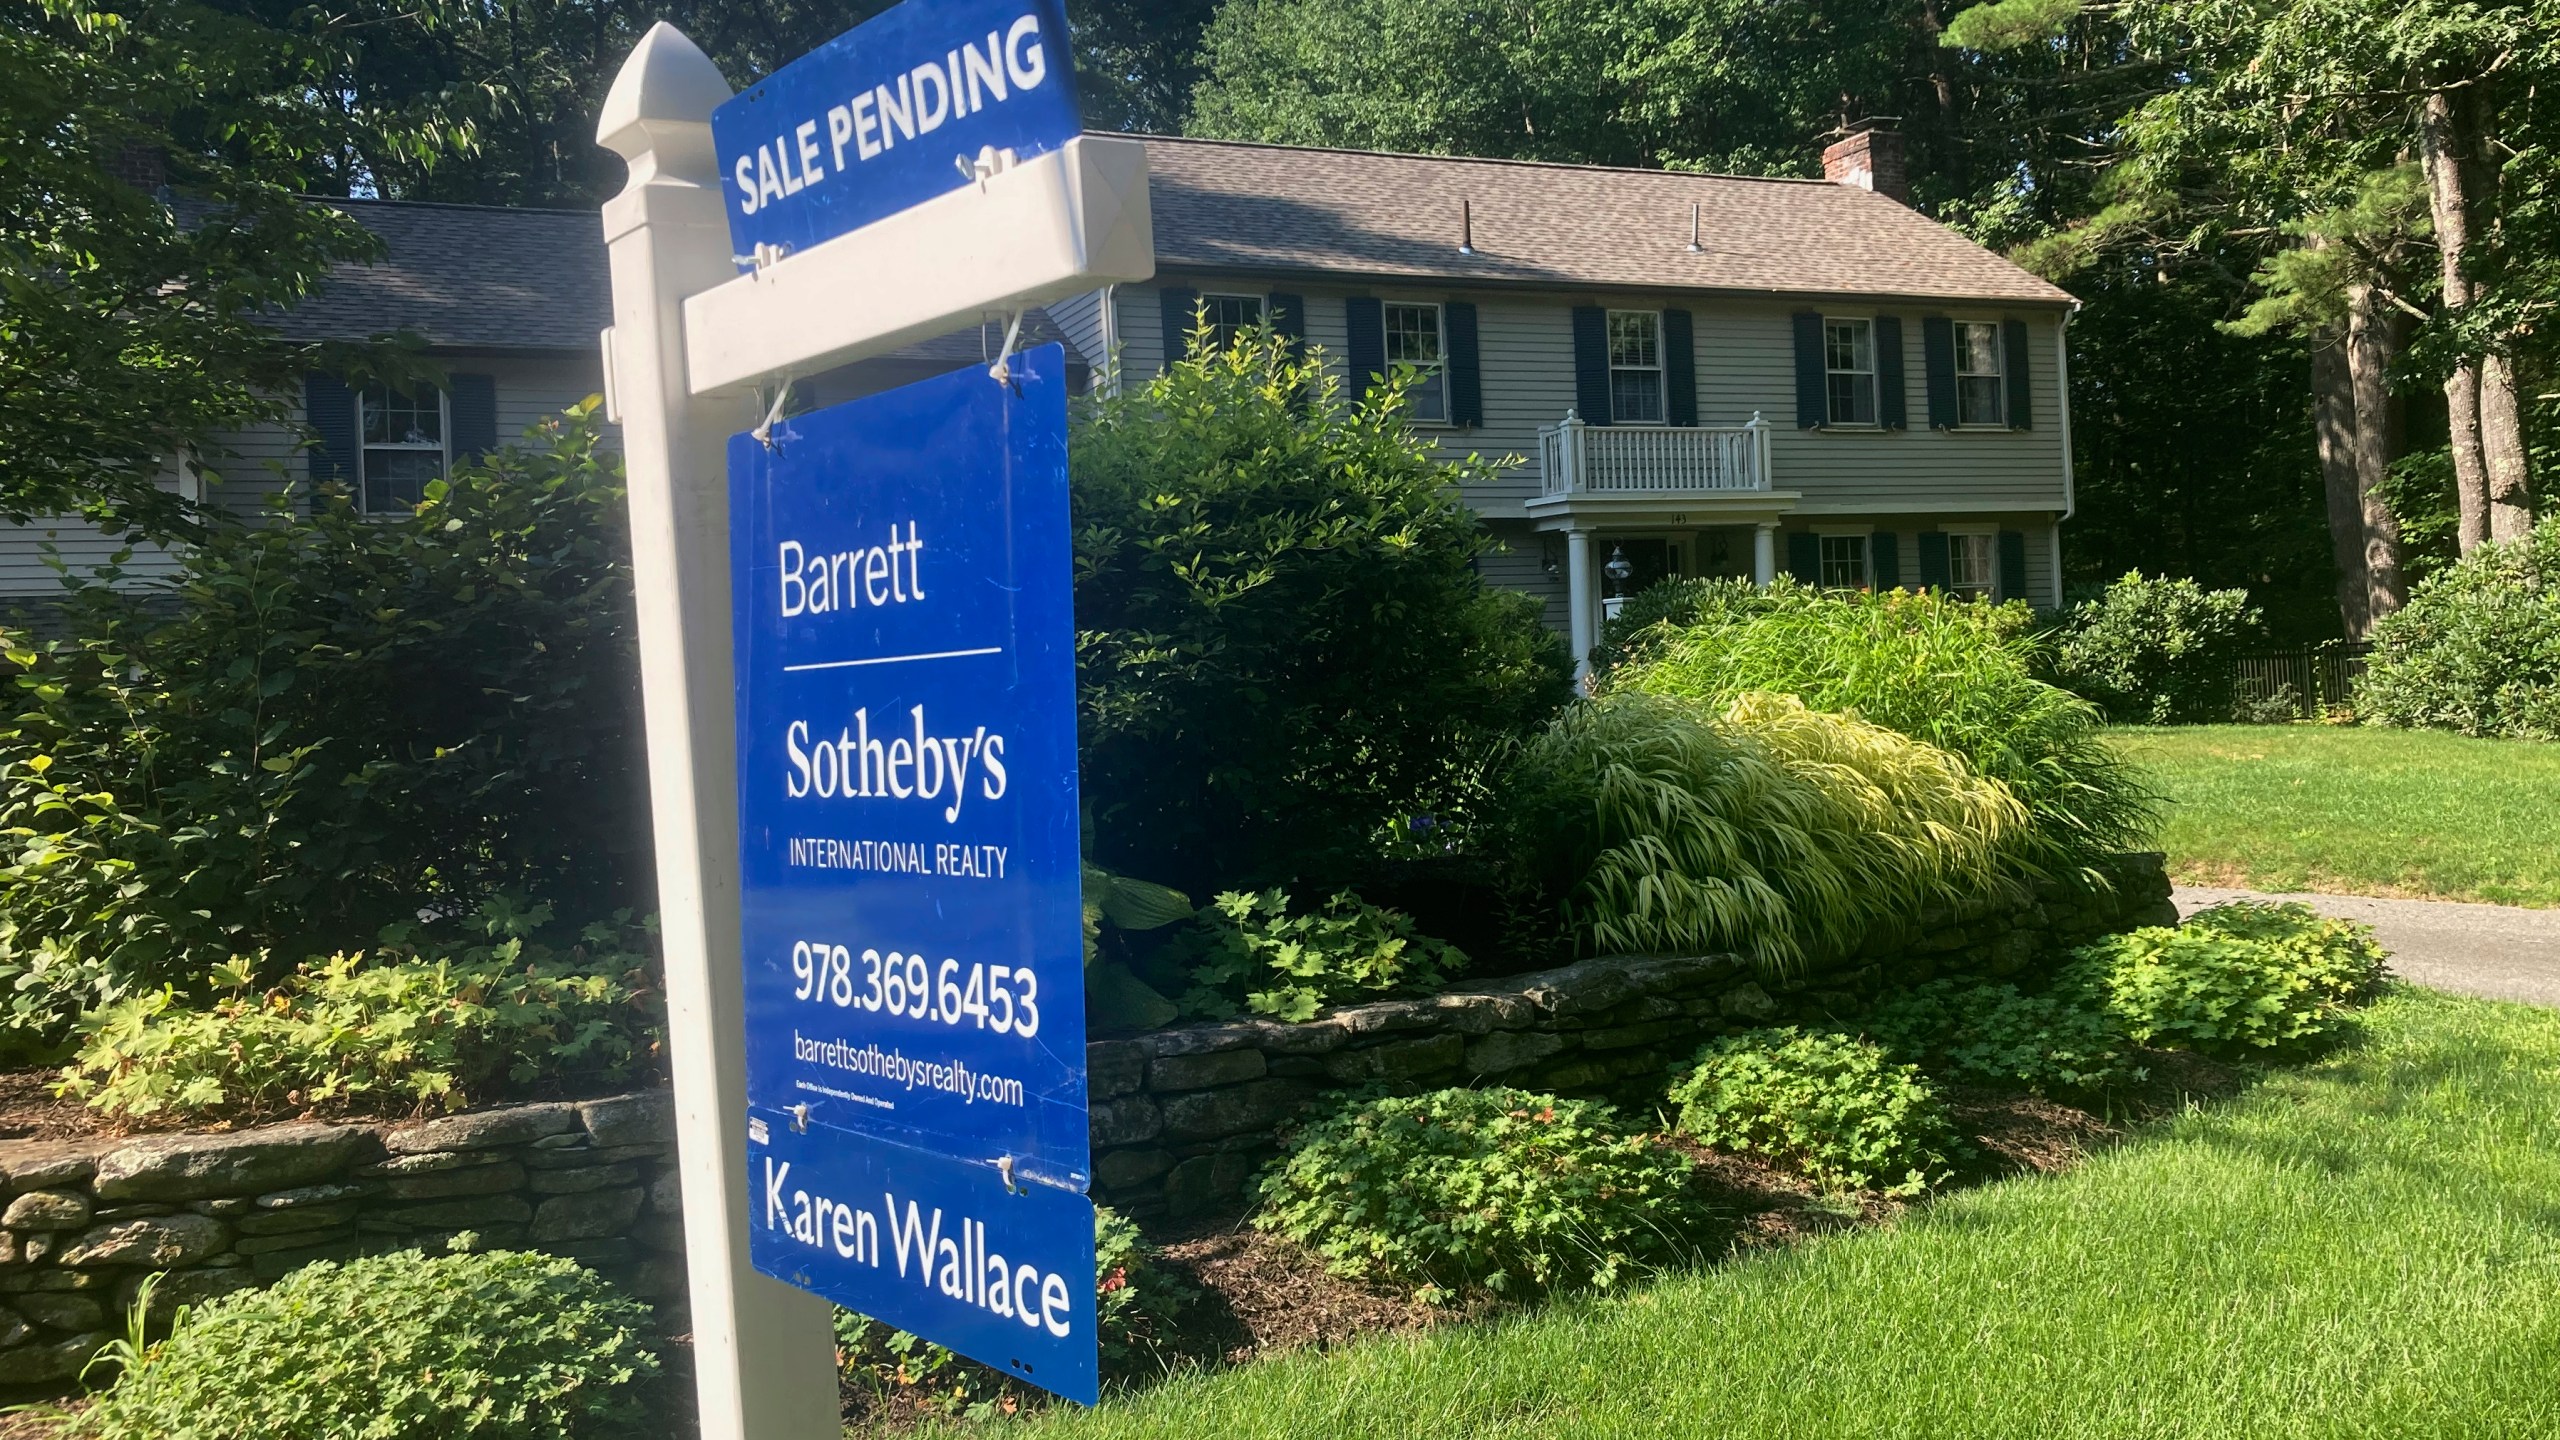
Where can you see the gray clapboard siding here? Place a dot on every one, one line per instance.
(1079, 318)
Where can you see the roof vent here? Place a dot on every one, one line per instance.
(1869, 156)
(1697, 216)
(1466, 227)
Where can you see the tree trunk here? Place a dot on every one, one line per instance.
(2376, 331)
(2333, 422)
(2510, 477)
(2440, 153)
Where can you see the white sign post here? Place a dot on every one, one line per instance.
(691, 339)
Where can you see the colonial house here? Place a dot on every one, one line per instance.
(1692, 374)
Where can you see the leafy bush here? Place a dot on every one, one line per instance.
(398, 1024)
(2235, 978)
(2063, 1041)
(1836, 1107)
(1283, 643)
(322, 726)
(1662, 609)
(2477, 648)
(1140, 1305)
(1768, 828)
(2155, 651)
(1959, 674)
(1502, 1189)
(490, 1346)
(1291, 966)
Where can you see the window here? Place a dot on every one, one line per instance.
(1413, 338)
(1979, 393)
(1971, 564)
(1849, 360)
(1230, 316)
(404, 436)
(1844, 562)
(1635, 367)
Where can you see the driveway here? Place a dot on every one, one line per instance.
(2494, 951)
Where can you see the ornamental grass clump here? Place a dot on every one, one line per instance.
(1836, 1107)
(1958, 674)
(498, 1346)
(1502, 1190)
(1764, 827)
(2235, 979)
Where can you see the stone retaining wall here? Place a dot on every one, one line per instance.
(1181, 1120)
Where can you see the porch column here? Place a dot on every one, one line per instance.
(1764, 555)
(1582, 597)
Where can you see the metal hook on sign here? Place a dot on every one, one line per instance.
(1002, 370)
(800, 1119)
(773, 417)
(1004, 1168)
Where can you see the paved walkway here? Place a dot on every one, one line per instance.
(2495, 951)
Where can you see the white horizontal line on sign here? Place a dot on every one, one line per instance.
(892, 659)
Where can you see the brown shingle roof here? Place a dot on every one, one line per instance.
(1228, 205)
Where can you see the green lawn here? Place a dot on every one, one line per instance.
(2359, 811)
(2367, 1247)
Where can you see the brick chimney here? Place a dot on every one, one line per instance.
(1869, 156)
(144, 167)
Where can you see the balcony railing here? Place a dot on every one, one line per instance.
(1579, 458)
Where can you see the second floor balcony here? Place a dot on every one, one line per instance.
(1576, 457)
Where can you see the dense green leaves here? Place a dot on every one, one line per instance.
(2155, 651)
(2234, 979)
(1249, 948)
(2062, 1041)
(1841, 1109)
(2477, 650)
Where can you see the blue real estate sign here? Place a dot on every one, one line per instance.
(910, 866)
(871, 122)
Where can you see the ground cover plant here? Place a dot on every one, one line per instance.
(2153, 650)
(2356, 810)
(503, 1345)
(1669, 825)
(2354, 1247)
(2477, 648)
(1283, 645)
(1248, 952)
(1499, 1189)
(1959, 674)
(1839, 1108)
(401, 1027)
(2061, 1042)
(2233, 979)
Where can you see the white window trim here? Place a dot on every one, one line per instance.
(2000, 353)
(1261, 304)
(1864, 535)
(1440, 318)
(1990, 591)
(1657, 368)
(444, 449)
(1875, 392)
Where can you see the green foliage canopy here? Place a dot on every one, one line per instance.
(2477, 648)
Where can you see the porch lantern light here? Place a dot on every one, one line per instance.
(1619, 569)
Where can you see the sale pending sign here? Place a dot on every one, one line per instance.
(910, 867)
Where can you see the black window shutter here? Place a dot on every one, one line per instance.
(1591, 364)
(1679, 368)
(1366, 321)
(1938, 352)
(2014, 366)
(1884, 555)
(330, 409)
(473, 406)
(1181, 311)
(2013, 565)
(1813, 396)
(1804, 557)
(1892, 411)
(1466, 372)
(1289, 322)
(1933, 560)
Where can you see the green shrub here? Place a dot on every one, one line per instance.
(1662, 609)
(1283, 644)
(490, 1346)
(394, 1025)
(1140, 1306)
(2064, 1041)
(1763, 827)
(322, 726)
(2233, 979)
(1959, 674)
(2477, 648)
(1249, 948)
(1836, 1107)
(2156, 651)
(1506, 1190)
